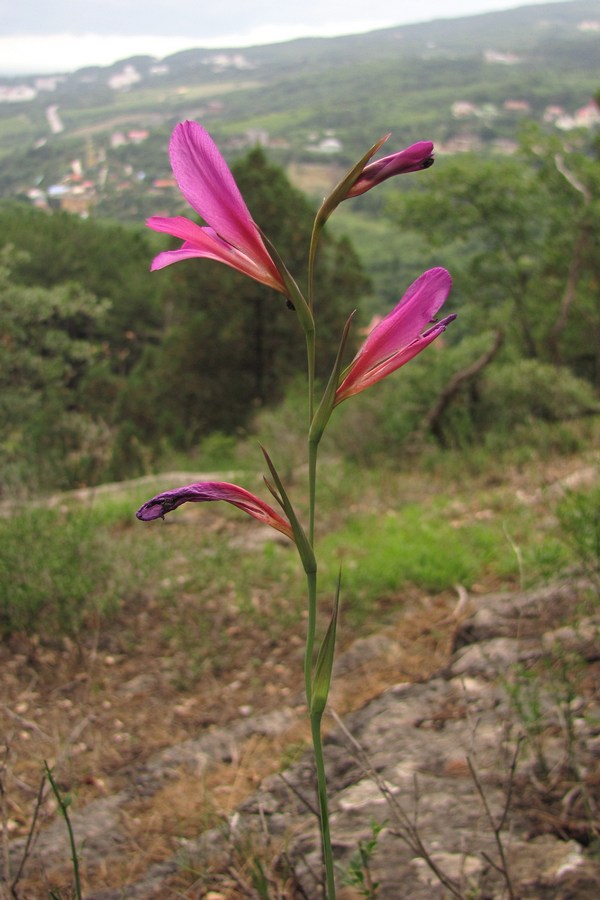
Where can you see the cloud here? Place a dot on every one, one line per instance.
(66, 52)
(38, 37)
(157, 17)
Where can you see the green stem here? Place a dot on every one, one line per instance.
(312, 254)
(315, 724)
(310, 360)
(313, 449)
(311, 577)
(315, 718)
(311, 581)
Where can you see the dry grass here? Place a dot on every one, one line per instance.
(95, 715)
(98, 709)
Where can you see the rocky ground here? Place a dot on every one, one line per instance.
(478, 780)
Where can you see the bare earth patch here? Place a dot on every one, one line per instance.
(95, 713)
(99, 711)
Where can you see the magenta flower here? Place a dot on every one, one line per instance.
(365, 175)
(208, 491)
(231, 236)
(400, 335)
(416, 157)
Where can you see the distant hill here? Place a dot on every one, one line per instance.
(96, 139)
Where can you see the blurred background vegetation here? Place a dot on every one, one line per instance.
(109, 372)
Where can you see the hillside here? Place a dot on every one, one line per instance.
(95, 140)
(171, 707)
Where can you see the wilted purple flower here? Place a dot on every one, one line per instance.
(416, 157)
(230, 236)
(209, 491)
(400, 335)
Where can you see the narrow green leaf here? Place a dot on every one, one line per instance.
(325, 409)
(305, 550)
(340, 191)
(273, 491)
(324, 666)
(295, 295)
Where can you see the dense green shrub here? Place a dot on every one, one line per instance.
(523, 390)
(54, 572)
(505, 398)
(579, 517)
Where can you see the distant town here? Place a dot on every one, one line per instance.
(98, 171)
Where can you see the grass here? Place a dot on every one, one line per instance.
(390, 532)
(413, 546)
(53, 571)
(439, 543)
(67, 567)
(204, 615)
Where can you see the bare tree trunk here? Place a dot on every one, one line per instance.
(567, 300)
(573, 275)
(433, 420)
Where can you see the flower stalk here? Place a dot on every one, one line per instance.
(233, 238)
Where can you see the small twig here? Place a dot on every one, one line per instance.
(243, 884)
(263, 821)
(407, 831)
(463, 601)
(298, 888)
(459, 611)
(63, 808)
(575, 183)
(503, 868)
(519, 556)
(491, 862)
(4, 809)
(30, 836)
(431, 422)
(316, 876)
(72, 737)
(511, 782)
(25, 723)
(303, 800)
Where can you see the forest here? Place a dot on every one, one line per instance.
(109, 371)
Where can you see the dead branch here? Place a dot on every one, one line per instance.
(575, 264)
(575, 183)
(497, 827)
(432, 420)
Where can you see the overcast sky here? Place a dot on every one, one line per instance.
(62, 35)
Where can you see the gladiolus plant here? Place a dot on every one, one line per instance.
(232, 237)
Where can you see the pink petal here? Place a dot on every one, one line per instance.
(405, 322)
(209, 187)
(208, 491)
(204, 243)
(354, 385)
(177, 226)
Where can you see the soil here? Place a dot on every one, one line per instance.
(96, 712)
(97, 709)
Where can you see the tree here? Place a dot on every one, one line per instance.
(231, 345)
(49, 438)
(521, 237)
(108, 260)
